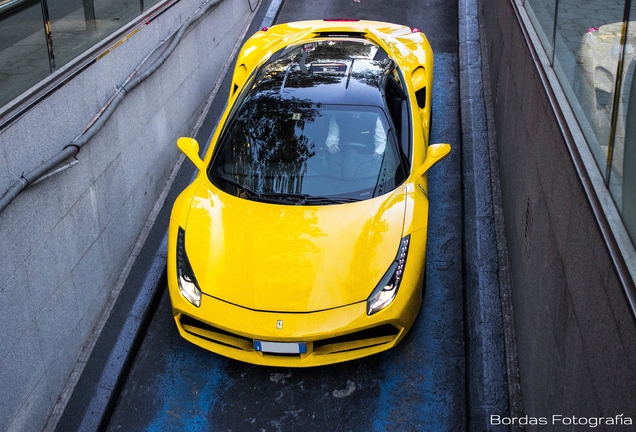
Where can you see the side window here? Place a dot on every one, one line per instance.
(394, 97)
(396, 103)
(396, 76)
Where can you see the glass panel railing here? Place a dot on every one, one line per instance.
(623, 164)
(76, 25)
(24, 57)
(587, 48)
(147, 4)
(28, 54)
(541, 13)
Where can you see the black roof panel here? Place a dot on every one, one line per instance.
(329, 71)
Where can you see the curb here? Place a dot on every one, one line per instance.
(492, 381)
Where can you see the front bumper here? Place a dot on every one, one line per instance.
(331, 336)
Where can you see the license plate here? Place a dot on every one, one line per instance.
(280, 347)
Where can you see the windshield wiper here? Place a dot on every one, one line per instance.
(287, 198)
(251, 194)
(305, 199)
(310, 199)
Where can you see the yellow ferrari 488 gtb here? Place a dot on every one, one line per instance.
(302, 239)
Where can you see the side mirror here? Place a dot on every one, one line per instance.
(190, 147)
(434, 154)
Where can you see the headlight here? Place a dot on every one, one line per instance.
(185, 276)
(387, 289)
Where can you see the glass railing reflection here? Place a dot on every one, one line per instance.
(74, 27)
(592, 47)
(24, 59)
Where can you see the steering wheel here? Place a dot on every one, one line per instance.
(359, 147)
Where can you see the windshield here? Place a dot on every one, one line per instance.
(308, 154)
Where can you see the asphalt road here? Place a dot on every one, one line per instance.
(419, 385)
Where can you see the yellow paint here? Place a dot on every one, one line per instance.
(121, 41)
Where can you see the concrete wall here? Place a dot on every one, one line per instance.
(576, 335)
(64, 241)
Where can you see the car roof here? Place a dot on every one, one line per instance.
(340, 70)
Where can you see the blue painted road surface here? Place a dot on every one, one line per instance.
(419, 385)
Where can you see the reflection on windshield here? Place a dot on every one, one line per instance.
(295, 152)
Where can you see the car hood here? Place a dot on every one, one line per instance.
(289, 258)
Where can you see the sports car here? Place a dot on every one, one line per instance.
(302, 239)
